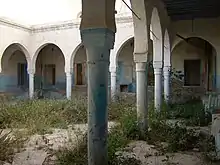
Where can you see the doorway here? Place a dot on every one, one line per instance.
(192, 72)
(50, 74)
(79, 74)
(22, 75)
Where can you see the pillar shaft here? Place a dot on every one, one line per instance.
(142, 102)
(158, 88)
(98, 43)
(69, 85)
(113, 84)
(31, 85)
(166, 73)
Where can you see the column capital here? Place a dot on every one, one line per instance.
(140, 57)
(158, 64)
(98, 13)
(69, 74)
(69, 71)
(166, 69)
(158, 71)
(31, 71)
(98, 37)
(141, 66)
(113, 69)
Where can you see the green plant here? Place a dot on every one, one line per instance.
(192, 112)
(76, 156)
(38, 116)
(9, 144)
(177, 136)
(118, 138)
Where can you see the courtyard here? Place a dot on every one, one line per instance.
(53, 132)
(118, 82)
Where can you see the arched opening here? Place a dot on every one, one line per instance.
(126, 73)
(14, 75)
(50, 73)
(79, 67)
(194, 63)
(156, 33)
(167, 49)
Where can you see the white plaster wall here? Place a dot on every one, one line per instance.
(11, 68)
(125, 31)
(67, 40)
(13, 34)
(9, 77)
(185, 51)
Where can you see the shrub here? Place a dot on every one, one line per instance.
(192, 112)
(9, 145)
(118, 138)
(177, 136)
(41, 115)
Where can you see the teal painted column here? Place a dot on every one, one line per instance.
(98, 43)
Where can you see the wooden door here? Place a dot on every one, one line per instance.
(79, 78)
(192, 72)
(49, 74)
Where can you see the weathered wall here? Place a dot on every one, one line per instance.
(126, 67)
(80, 58)
(67, 37)
(206, 29)
(9, 76)
(51, 54)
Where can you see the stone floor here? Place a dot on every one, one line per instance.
(149, 155)
(39, 148)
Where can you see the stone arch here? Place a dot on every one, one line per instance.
(126, 74)
(79, 65)
(141, 29)
(200, 55)
(34, 58)
(121, 45)
(167, 49)
(157, 36)
(48, 64)
(17, 46)
(15, 61)
(79, 15)
(178, 40)
(73, 55)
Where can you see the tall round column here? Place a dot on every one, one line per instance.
(158, 88)
(98, 42)
(68, 85)
(113, 83)
(166, 73)
(31, 84)
(142, 90)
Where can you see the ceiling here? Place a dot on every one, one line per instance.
(190, 9)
